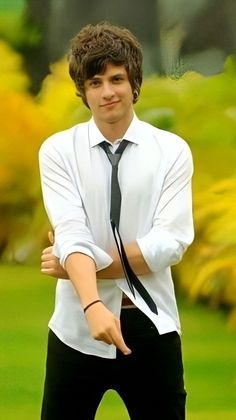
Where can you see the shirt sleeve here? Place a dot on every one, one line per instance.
(64, 207)
(172, 229)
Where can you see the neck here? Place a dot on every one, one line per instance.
(113, 131)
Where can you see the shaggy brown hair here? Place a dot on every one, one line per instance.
(95, 46)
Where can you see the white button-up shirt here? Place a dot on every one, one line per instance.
(154, 174)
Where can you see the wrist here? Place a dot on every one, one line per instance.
(94, 302)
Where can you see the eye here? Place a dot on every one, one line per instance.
(94, 82)
(118, 79)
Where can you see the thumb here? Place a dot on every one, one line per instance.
(51, 237)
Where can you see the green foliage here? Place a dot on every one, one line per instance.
(200, 109)
(11, 27)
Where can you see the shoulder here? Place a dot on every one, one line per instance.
(62, 141)
(168, 143)
(172, 148)
(163, 137)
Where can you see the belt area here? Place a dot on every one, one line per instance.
(127, 302)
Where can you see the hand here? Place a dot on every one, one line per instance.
(104, 326)
(50, 264)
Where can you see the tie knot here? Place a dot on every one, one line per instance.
(114, 157)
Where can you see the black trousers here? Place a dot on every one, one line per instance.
(149, 381)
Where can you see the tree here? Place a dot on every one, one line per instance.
(34, 45)
(55, 22)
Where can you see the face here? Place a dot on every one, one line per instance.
(110, 97)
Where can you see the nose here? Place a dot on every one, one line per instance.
(107, 91)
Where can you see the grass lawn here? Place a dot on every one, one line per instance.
(27, 300)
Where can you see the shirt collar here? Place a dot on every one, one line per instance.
(132, 134)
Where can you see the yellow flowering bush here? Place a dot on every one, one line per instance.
(22, 129)
(57, 99)
(13, 77)
(208, 270)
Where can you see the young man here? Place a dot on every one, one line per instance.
(103, 334)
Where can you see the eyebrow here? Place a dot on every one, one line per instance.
(98, 76)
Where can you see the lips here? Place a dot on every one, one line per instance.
(109, 104)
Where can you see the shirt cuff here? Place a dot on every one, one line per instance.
(100, 257)
(160, 249)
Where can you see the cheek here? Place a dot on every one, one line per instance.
(131, 96)
(91, 100)
(128, 95)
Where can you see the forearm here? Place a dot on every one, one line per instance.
(82, 272)
(135, 258)
(103, 324)
(50, 264)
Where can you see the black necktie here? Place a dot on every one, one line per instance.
(131, 277)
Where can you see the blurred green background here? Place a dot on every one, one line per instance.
(189, 88)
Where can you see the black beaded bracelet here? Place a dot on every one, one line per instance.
(92, 303)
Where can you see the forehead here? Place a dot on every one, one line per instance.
(111, 70)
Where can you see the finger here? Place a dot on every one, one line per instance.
(47, 271)
(47, 257)
(47, 264)
(47, 250)
(119, 341)
(120, 344)
(51, 237)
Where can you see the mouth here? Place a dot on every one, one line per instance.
(109, 104)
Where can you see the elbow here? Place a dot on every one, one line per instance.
(166, 257)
